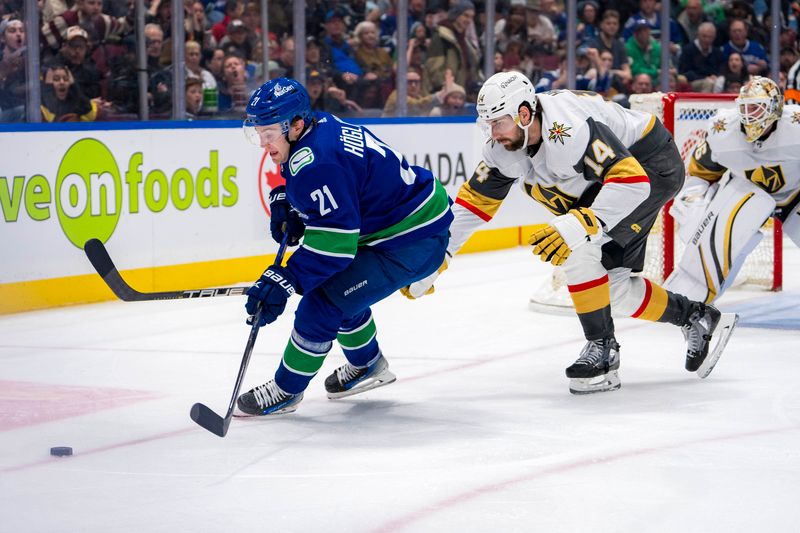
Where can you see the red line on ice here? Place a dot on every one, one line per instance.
(465, 497)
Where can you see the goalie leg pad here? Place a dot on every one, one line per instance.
(737, 263)
(684, 282)
(721, 241)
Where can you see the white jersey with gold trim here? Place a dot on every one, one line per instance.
(773, 164)
(566, 127)
(585, 141)
(591, 154)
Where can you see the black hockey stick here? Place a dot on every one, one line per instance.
(203, 415)
(102, 263)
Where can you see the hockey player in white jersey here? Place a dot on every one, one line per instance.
(604, 172)
(747, 168)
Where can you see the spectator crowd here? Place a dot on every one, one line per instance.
(89, 70)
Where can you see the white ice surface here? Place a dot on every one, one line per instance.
(478, 434)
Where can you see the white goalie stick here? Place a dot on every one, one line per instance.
(98, 255)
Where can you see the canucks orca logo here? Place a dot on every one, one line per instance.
(552, 198)
(768, 178)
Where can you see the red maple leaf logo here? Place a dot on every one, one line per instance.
(269, 177)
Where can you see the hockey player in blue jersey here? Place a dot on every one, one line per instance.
(370, 224)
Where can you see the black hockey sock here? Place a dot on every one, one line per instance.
(679, 309)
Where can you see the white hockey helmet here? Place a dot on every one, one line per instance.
(760, 105)
(503, 94)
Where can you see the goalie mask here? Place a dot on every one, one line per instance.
(499, 101)
(760, 105)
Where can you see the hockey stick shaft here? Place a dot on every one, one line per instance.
(204, 416)
(98, 255)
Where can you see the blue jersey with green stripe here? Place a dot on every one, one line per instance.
(353, 190)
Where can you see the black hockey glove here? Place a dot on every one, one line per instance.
(284, 218)
(272, 290)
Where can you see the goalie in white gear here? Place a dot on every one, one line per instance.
(604, 172)
(758, 145)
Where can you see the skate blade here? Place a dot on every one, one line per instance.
(384, 378)
(722, 333)
(606, 382)
(291, 408)
(286, 410)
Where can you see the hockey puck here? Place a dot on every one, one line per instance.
(61, 451)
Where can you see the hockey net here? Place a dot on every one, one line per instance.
(685, 116)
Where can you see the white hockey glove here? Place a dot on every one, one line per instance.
(555, 242)
(694, 195)
(420, 288)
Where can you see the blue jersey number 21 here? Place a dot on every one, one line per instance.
(321, 196)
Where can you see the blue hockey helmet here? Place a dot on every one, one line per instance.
(278, 101)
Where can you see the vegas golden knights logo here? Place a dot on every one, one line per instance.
(768, 178)
(552, 198)
(558, 132)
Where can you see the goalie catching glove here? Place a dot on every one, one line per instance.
(565, 233)
(420, 288)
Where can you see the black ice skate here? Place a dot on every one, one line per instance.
(268, 399)
(348, 380)
(596, 368)
(705, 324)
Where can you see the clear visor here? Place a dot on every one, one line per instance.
(753, 112)
(498, 127)
(261, 136)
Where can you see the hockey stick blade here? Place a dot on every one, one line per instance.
(205, 417)
(208, 419)
(98, 255)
